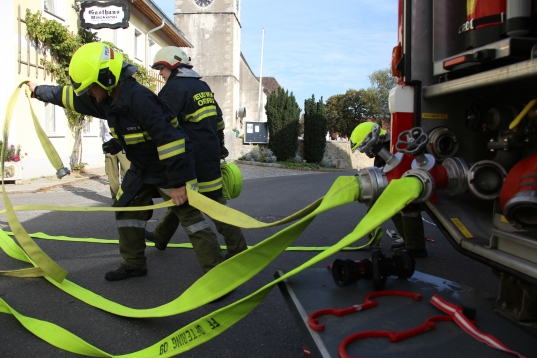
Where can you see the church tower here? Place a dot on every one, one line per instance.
(214, 29)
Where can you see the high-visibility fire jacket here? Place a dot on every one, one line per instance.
(192, 102)
(157, 147)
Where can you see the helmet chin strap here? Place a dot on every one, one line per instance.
(112, 91)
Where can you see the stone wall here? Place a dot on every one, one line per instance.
(338, 151)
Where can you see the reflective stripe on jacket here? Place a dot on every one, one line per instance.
(143, 125)
(192, 102)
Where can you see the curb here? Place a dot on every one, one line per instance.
(43, 187)
(77, 180)
(275, 165)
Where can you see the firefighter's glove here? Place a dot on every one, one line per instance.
(112, 147)
(223, 152)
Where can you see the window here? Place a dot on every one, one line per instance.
(55, 7)
(91, 127)
(87, 126)
(50, 118)
(53, 120)
(152, 52)
(138, 45)
(50, 6)
(118, 37)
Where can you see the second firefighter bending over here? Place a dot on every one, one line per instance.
(192, 101)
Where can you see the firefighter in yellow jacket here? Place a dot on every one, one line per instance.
(159, 151)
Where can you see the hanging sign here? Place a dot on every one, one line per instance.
(105, 14)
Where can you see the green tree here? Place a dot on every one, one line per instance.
(283, 114)
(62, 44)
(336, 112)
(315, 128)
(377, 98)
(345, 111)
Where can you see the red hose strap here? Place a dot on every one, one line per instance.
(467, 325)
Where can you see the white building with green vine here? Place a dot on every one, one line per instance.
(148, 31)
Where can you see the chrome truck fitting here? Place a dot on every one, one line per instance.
(442, 143)
(426, 179)
(521, 210)
(485, 179)
(457, 171)
(374, 181)
(518, 198)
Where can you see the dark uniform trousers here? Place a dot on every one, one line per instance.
(131, 228)
(233, 236)
(410, 226)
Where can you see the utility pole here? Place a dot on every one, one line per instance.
(260, 77)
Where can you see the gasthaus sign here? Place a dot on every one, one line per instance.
(108, 14)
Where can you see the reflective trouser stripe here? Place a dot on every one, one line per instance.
(194, 228)
(131, 223)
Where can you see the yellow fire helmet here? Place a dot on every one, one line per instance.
(95, 63)
(171, 57)
(361, 131)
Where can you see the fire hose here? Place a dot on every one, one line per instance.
(217, 282)
(231, 180)
(236, 271)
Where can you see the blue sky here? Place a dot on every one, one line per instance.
(319, 47)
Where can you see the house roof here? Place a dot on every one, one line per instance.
(156, 16)
(270, 84)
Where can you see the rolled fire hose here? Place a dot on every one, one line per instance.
(231, 180)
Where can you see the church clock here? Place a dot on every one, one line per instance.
(203, 3)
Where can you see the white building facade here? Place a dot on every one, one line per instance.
(149, 30)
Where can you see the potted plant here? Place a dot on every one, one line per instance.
(12, 164)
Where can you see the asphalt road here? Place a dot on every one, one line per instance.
(268, 331)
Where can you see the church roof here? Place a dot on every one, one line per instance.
(270, 84)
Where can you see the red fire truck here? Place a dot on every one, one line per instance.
(467, 77)
(464, 123)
